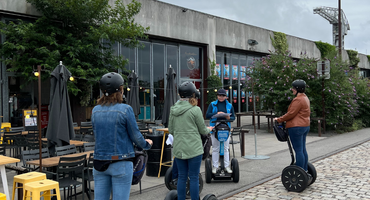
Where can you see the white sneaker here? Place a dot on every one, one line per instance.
(214, 170)
(229, 170)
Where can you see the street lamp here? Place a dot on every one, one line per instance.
(38, 74)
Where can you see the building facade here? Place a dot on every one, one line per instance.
(181, 38)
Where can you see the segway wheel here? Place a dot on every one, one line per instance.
(235, 168)
(168, 180)
(188, 186)
(312, 170)
(210, 197)
(171, 195)
(208, 170)
(294, 178)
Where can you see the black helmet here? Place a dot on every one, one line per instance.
(110, 83)
(299, 85)
(187, 89)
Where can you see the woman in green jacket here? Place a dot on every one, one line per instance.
(186, 124)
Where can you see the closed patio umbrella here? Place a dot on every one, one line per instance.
(60, 126)
(133, 94)
(171, 95)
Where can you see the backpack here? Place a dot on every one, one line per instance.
(207, 143)
(139, 163)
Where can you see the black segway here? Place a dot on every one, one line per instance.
(222, 132)
(172, 195)
(171, 183)
(294, 178)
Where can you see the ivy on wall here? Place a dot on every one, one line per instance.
(353, 59)
(368, 57)
(280, 43)
(325, 48)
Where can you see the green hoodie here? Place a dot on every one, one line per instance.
(186, 124)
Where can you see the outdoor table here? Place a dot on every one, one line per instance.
(168, 163)
(54, 161)
(77, 143)
(3, 161)
(258, 114)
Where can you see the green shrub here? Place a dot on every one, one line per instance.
(325, 48)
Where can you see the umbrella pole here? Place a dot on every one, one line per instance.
(39, 116)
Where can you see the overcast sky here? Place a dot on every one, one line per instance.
(292, 17)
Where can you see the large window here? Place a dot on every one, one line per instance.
(158, 79)
(191, 62)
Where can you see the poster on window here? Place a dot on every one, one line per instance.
(227, 93)
(243, 94)
(218, 70)
(226, 71)
(235, 94)
(234, 71)
(242, 72)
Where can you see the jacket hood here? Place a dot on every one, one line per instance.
(180, 108)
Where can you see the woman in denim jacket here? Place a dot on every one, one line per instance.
(115, 132)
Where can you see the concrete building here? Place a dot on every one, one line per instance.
(186, 40)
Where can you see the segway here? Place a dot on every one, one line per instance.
(171, 183)
(294, 178)
(172, 195)
(222, 132)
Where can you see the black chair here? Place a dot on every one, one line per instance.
(33, 139)
(34, 154)
(235, 131)
(65, 150)
(88, 138)
(88, 173)
(78, 137)
(66, 172)
(17, 129)
(2, 149)
(9, 141)
(90, 146)
(75, 124)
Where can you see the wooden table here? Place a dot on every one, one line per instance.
(3, 161)
(267, 114)
(54, 161)
(168, 163)
(77, 143)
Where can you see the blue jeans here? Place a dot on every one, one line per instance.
(118, 177)
(192, 167)
(175, 171)
(298, 138)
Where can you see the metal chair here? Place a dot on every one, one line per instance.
(65, 150)
(34, 154)
(2, 149)
(90, 146)
(88, 138)
(16, 129)
(66, 172)
(88, 173)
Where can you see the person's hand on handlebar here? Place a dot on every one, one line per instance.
(275, 119)
(210, 128)
(149, 141)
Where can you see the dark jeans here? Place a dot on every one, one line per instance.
(189, 167)
(175, 171)
(298, 138)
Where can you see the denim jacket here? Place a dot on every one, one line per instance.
(116, 130)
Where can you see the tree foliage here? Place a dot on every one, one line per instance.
(353, 58)
(346, 94)
(72, 31)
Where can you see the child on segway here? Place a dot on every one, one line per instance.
(223, 107)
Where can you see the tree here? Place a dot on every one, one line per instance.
(77, 32)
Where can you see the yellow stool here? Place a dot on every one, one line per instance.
(44, 186)
(26, 178)
(6, 126)
(2, 196)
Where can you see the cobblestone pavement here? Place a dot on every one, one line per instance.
(345, 175)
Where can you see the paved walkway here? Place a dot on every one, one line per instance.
(254, 173)
(345, 175)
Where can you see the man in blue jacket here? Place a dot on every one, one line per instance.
(221, 105)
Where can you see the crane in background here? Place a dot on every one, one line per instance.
(331, 14)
